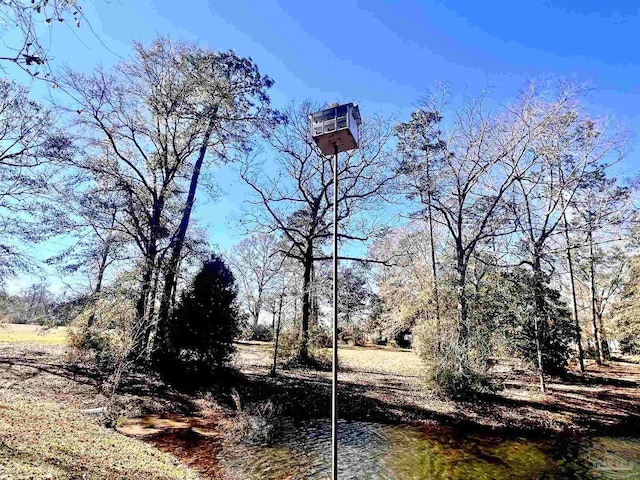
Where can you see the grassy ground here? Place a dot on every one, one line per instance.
(384, 384)
(59, 442)
(13, 333)
(43, 431)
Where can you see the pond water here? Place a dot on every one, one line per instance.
(376, 451)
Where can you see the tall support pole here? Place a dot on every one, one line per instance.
(334, 380)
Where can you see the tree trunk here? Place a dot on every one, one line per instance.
(101, 268)
(313, 295)
(258, 307)
(145, 303)
(303, 354)
(177, 243)
(96, 291)
(592, 274)
(539, 317)
(434, 270)
(273, 322)
(152, 332)
(574, 299)
(142, 310)
(463, 327)
(606, 354)
(537, 330)
(277, 339)
(433, 251)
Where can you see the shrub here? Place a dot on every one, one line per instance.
(93, 340)
(378, 340)
(107, 330)
(288, 344)
(255, 425)
(258, 333)
(344, 336)
(590, 351)
(441, 357)
(460, 385)
(321, 357)
(289, 347)
(320, 337)
(197, 341)
(352, 335)
(629, 346)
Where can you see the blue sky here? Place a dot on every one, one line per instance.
(384, 55)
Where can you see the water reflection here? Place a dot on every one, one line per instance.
(375, 451)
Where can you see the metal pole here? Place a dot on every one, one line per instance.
(334, 380)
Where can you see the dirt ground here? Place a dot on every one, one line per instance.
(39, 384)
(44, 434)
(384, 384)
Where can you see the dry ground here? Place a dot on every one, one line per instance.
(43, 431)
(32, 334)
(386, 384)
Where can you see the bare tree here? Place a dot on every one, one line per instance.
(296, 201)
(256, 261)
(143, 130)
(565, 151)
(230, 100)
(87, 215)
(626, 309)
(572, 285)
(418, 143)
(469, 168)
(33, 20)
(29, 146)
(601, 207)
(405, 284)
(284, 291)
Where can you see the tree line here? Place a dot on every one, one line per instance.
(517, 236)
(459, 226)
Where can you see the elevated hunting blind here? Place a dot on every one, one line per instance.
(336, 125)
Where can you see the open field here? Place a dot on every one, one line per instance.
(34, 334)
(44, 432)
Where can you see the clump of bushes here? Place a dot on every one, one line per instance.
(288, 344)
(590, 350)
(256, 424)
(319, 343)
(459, 384)
(320, 337)
(106, 330)
(351, 335)
(378, 340)
(503, 314)
(441, 356)
(629, 346)
(258, 333)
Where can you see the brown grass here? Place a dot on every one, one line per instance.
(43, 432)
(387, 384)
(43, 439)
(33, 334)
